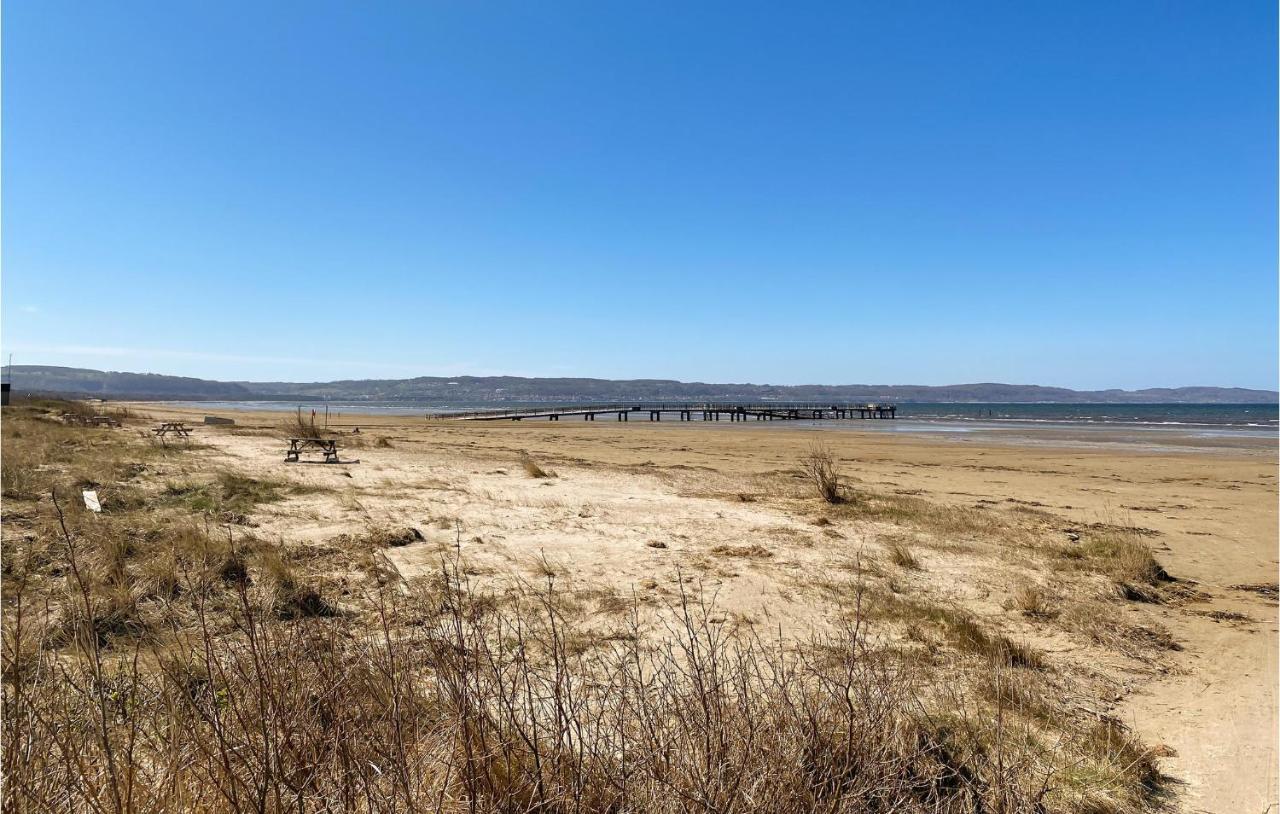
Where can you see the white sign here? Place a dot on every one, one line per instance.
(91, 501)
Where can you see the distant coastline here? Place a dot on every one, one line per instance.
(439, 391)
(1248, 417)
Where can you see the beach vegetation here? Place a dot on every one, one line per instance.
(154, 658)
(299, 425)
(1033, 602)
(819, 466)
(900, 554)
(532, 468)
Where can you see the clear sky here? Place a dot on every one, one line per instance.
(1068, 193)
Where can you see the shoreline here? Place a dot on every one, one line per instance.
(1132, 437)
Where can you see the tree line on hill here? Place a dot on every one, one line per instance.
(471, 389)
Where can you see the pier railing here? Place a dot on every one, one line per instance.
(813, 409)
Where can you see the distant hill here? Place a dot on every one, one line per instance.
(101, 384)
(470, 389)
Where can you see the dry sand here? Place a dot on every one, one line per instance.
(636, 507)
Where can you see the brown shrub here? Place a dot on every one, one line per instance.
(301, 426)
(505, 707)
(819, 467)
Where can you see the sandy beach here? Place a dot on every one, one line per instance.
(634, 509)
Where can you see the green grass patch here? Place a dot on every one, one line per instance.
(958, 627)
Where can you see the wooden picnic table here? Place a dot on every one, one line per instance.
(176, 427)
(298, 446)
(82, 420)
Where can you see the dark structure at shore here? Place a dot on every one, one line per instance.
(686, 411)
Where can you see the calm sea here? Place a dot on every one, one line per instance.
(1202, 415)
(1258, 417)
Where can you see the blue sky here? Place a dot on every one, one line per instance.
(1065, 193)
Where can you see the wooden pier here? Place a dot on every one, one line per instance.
(685, 411)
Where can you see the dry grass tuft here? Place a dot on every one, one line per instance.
(1265, 590)
(1099, 623)
(532, 469)
(1122, 776)
(1122, 556)
(960, 629)
(292, 597)
(968, 636)
(394, 538)
(900, 555)
(1033, 602)
(17, 478)
(752, 551)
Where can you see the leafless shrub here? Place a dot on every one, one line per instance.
(820, 468)
(497, 708)
(301, 426)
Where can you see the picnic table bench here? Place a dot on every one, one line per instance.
(298, 446)
(82, 420)
(176, 427)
